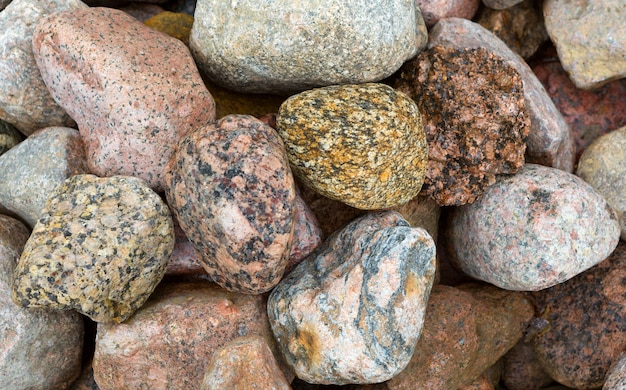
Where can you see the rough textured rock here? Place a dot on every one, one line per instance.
(184, 260)
(9, 137)
(363, 145)
(39, 349)
(616, 377)
(231, 188)
(488, 380)
(4, 3)
(532, 230)
(521, 26)
(475, 119)
(307, 234)
(603, 166)
(587, 324)
(25, 101)
(133, 91)
(33, 169)
(522, 370)
(177, 25)
(353, 312)
(288, 46)
(501, 4)
(549, 142)
(422, 212)
(589, 39)
(100, 247)
(433, 10)
(245, 363)
(172, 338)
(467, 330)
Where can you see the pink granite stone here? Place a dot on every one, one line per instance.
(184, 260)
(133, 91)
(307, 234)
(233, 193)
(522, 370)
(433, 10)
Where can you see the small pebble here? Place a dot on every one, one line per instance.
(434, 10)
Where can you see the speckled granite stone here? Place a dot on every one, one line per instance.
(532, 230)
(468, 328)
(33, 169)
(589, 39)
(307, 234)
(501, 4)
(25, 101)
(100, 247)
(433, 10)
(475, 119)
(287, 46)
(177, 25)
(244, 363)
(133, 91)
(603, 165)
(363, 145)
(549, 142)
(522, 370)
(353, 312)
(232, 190)
(9, 137)
(587, 324)
(39, 349)
(172, 338)
(616, 376)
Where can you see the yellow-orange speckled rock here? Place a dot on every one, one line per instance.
(361, 144)
(174, 24)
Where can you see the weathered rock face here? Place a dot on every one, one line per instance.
(522, 370)
(133, 91)
(353, 311)
(587, 36)
(475, 119)
(33, 169)
(39, 349)
(433, 10)
(363, 145)
(288, 46)
(100, 247)
(25, 101)
(231, 188)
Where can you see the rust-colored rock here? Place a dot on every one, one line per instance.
(522, 370)
(433, 10)
(174, 24)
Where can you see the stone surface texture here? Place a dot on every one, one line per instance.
(501, 4)
(4, 3)
(587, 324)
(288, 46)
(133, 91)
(100, 247)
(475, 119)
(39, 349)
(522, 370)
(549, 142)
(307, 234)
(35, 167)
(363, 145)
(532, 230)
(353, 311)
(9, 136)
(232, 191)
(25, 100)
(172, 338)
(468, 328)
(588, 36)
(185, 260)
(142, 11)
(603, 166)
(616, 377)
(174, 24)
(245, 363)
(433, 10)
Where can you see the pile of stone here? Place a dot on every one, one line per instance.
(282, 194)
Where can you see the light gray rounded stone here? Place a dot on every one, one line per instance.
(287, 46)
(616, 377)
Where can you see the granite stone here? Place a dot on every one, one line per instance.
(434, 10)
(353, 311)
(100, 247)
(501, 4)
(488, 380)
(133, 91)
(522, 370)
(184, 260)
(233, 193)
(9, 136)
(475, 119)
(588, 36)
(587, 324)
(174, 24)
(39, 349)
(25, 101)
(603, 166)
(307, 234)
(35, 167)
(616, 377)
(549, 142)
(363, 145)
(287, 46)
(532, 230)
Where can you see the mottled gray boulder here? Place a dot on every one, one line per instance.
(287, 46)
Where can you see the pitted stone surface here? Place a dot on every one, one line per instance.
(25, 101)
(363, 145)
(287, 46)
(33, 169)
(532, 230)
(475, 119)
(353, 311)
(231, 188)
(9, 137)
(133, 91)
(100, 247)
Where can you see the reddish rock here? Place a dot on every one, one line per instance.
(307, 234)
(475, 119)
(133, 91)
(522, 370)
(467, 330)
(433, 10)
(501, 4)
(184, 260)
